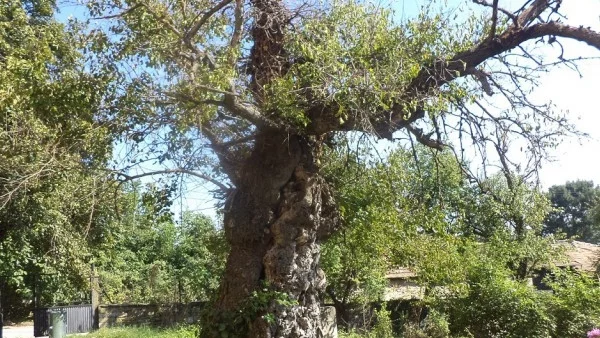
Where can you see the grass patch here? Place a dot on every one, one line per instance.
(145, 332)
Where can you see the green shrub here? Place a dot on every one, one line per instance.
(575, 304)
(383, 326)
(351, 334)
(435, 325)
(497, 306)
(381, 329)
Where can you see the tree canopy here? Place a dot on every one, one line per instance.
(577, 211)
(50, 145)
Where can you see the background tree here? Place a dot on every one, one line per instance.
(50, 144)
(247, 95)
(475, 281)
(60, 207)
(199, 257)
(388, 207)
(575, 215)
(148, 258)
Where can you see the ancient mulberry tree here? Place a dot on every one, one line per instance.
(248, 94)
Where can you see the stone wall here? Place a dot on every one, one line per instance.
(148, 314)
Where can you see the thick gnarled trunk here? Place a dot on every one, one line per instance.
(277, 216)
(274, 222)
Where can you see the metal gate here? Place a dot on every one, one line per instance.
(79, 319)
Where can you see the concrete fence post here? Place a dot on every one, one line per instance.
(95, 297)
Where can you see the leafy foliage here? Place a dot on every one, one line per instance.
(473, 246)
(172, 77)
(576, 211)
(235, 323)
(574, 305)
(356, 58)
(385, 207)
(149, 258)
(51, 200)
(496, 305)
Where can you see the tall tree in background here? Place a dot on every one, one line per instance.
(50, 145)
(247, 94)
(146, 257)
(576, 215)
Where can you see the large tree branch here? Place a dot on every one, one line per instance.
(231, 102)
(237, 30)
(249, 112)
(127, 177)
(442, 72)
(204, 18)
(534, 11)
(494, 18)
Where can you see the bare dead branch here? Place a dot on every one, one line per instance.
(119, 15)
(495, 5)
(425, 139)
(482, 77)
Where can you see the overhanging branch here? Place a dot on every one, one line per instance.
(443, 71)
(425, 139)
(203, 19)
(207, 178)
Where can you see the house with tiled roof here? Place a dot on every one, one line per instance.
(581, 256)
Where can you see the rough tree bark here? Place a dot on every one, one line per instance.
(274, 223)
